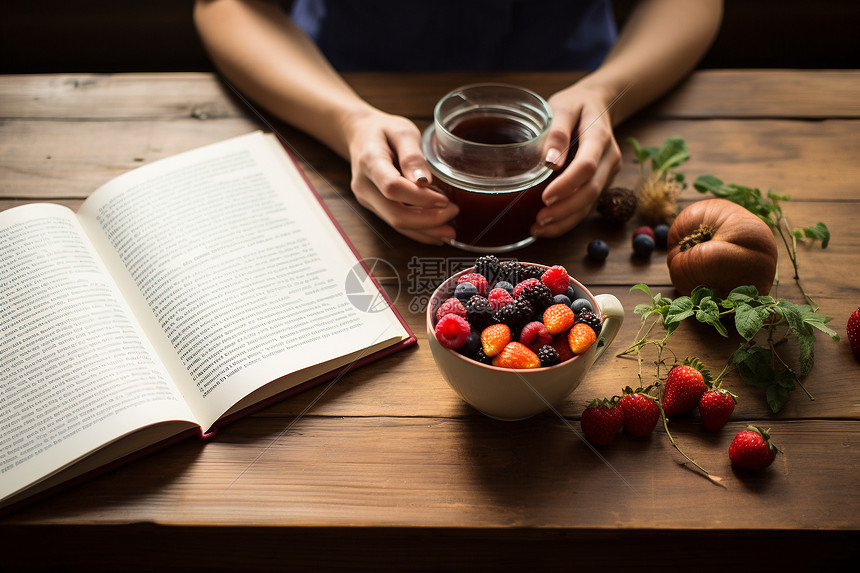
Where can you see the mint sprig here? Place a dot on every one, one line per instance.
(764, 323)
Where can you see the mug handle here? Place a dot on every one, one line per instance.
(613, 314)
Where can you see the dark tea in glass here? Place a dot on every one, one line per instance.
(485, 148)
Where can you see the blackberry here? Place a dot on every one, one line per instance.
(481, 356)
(514, 314)
(488, 265)
(531, 272)
(510, 271)
(538, 295)
(478, 312)
(590, 319)
(548, 356)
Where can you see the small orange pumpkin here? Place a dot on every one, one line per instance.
(720, 245)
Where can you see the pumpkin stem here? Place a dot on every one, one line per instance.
(700, 235)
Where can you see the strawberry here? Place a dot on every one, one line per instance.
(752, 449)
(494, 338)
(641, 412)
(581, 337)
(452, 330)
(715, 407)
(556, 279)
(479, 281)
(853, 329)
(452, 305)
(684, 386)
(516, 355)
(601, 421)
(498, 298)
(534, 335)
(558, 318)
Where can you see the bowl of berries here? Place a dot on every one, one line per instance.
(513, 339)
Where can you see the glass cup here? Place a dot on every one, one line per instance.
(485, 150)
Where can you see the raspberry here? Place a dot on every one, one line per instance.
(514, 314)
(580, 338)
(494, 338)
(534, 335)
(562, 346)
(478, 311)
(589, 318)
(451, 306)
(528, 283)
(498, 298)
(479, 281)
(516, 355)
(558, 318)
(452, 330)
(548, 356)
(535, 292)
(556, 279)
(488, 266)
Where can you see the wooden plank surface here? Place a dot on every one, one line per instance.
(389, 455)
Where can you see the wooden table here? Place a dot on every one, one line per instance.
(388, 469)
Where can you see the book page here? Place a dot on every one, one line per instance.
(234, 270)
(76, 372)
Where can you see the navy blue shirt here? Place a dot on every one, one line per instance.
(455, 35)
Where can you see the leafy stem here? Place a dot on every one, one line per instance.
(759, 365)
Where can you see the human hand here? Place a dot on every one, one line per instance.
(580, 115)
(390, 177)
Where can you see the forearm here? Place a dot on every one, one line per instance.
(261, 51)
(661, 43)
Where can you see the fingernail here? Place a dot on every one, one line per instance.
(545, 221)
(550, 200)
(440, 204)
(420, 176)
(551, 157)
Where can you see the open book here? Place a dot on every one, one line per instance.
(182, 294)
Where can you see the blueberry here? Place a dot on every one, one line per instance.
(598, 250)
(581, 304)
(661, 233)
(465, 291)
(472, 344)
(571, 293)
(643, 245)
(506, 286)
(561, 299)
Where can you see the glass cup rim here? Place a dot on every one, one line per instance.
(544, 108)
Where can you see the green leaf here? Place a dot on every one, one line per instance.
(681, 308)
(806, 345)
(743, 293)
(643, 287)
(777, 396)
(711, 184)
(818, 322)
(709, 313)
(749, 319)
(700, 292)
(818, 232)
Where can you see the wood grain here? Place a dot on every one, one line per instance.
(387, 465)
